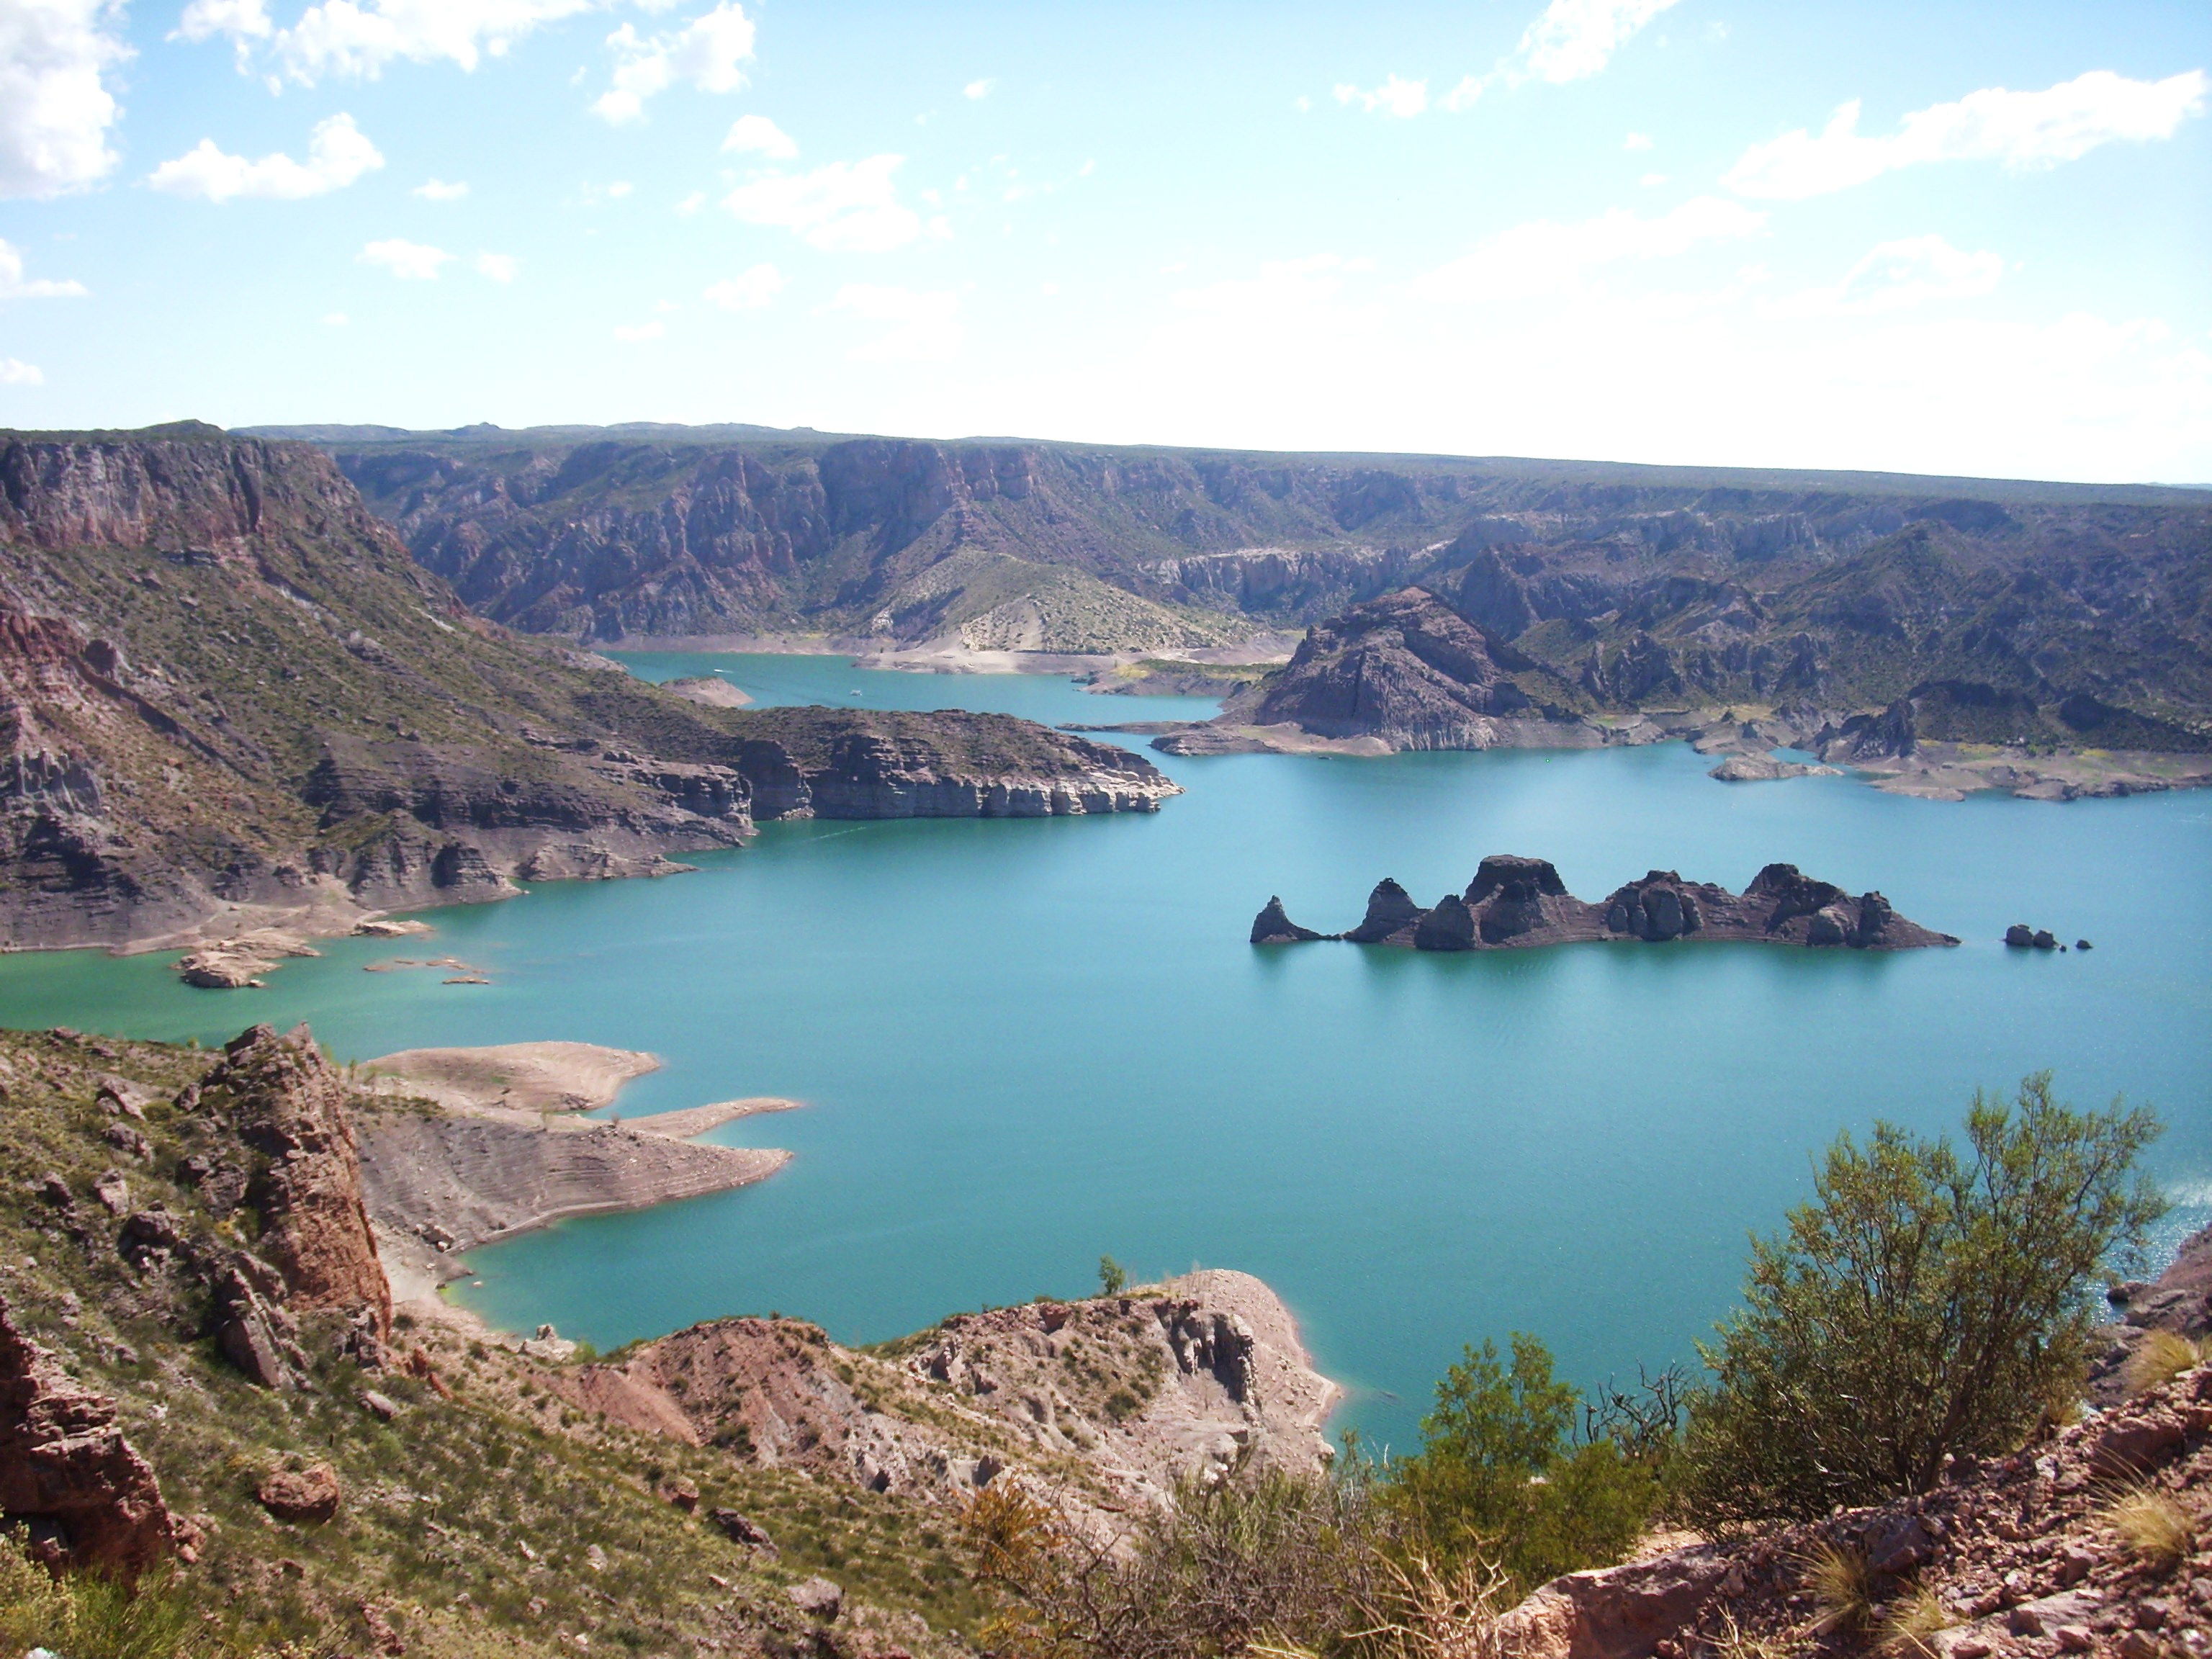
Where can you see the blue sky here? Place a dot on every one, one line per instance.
(1927, 237)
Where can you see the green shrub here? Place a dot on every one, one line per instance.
(1500, 1476)
(1926, 1302)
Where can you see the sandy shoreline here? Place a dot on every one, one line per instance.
(520, 1076)
(504, 1147)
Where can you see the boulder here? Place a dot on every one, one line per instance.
(2045, 939)
(2019, 935)
(1613, 1612)
(740, 1529)
(1449, 926)
(66, 1472)
(309, 1495)
(112, 1191)
(1391, 909)
(1272, 927)
(2131, 1449)
(818, 1598)
(1657, 908)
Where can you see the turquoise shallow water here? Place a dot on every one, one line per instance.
(1026, 1043)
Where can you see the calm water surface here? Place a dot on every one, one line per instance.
(1024, 1044)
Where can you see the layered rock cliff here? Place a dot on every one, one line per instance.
(1520, 902)
(227, 694)
(2058, 614)
(1125, 1394)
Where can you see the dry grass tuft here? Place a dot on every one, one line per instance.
(2153, 1526)
(1842, 1586)
(1909, 1624)
(1734, 1642)
(2158, 1359)
(1425, 1612)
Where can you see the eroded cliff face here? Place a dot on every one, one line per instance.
(2060, 613)
(1118, 1397)
(227, 696)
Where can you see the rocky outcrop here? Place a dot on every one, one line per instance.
(1130, 1392)
(1406, 668)
(1518, 902)
(80, 1489)
(840, 763)
(1272, 926)
(2016, 1555)
(288, 1102)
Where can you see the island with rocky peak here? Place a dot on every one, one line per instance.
(1517, 901)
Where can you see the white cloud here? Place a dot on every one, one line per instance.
(1637, 141)
(925, 327)
(978, 89)
(845, 207)
(55, 106)
(437, 190)
(338, 154)
(411, 261)
(705, 52)
(14, 286)
(1544, 255)
(1571, 40)
(691, 204)
(359, 36)
(749, 290)
(758, 135)
(1576, 39)
(638, 333)
(597, 195)
(1897, 275)
(14, 372)
(2023, 129)
(335, 319)
(500, 267)
(1395, 96)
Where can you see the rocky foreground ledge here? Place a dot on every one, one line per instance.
(1517, 901)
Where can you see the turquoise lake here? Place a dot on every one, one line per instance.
(1024, 1044)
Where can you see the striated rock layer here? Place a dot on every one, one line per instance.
(1516, 902)
(228, 698)
(1126, 1393)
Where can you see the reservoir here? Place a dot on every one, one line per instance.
(1026, 1044)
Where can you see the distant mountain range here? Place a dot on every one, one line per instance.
(2008, 611)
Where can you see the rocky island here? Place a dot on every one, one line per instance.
(1514, 903)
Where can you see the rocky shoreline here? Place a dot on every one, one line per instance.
(1515, 902)
(473, 1145)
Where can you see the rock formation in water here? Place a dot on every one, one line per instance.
(1408, 669)
(1516, 902)
(228, 698)
(1272, 926)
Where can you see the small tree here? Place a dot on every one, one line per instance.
(1113, 1280)
(1500, 1478)
(1925, 1303)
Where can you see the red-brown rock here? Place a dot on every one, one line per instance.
(309, 1495)
(66, 1469)
(1614, 1612)
(290, 1102)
